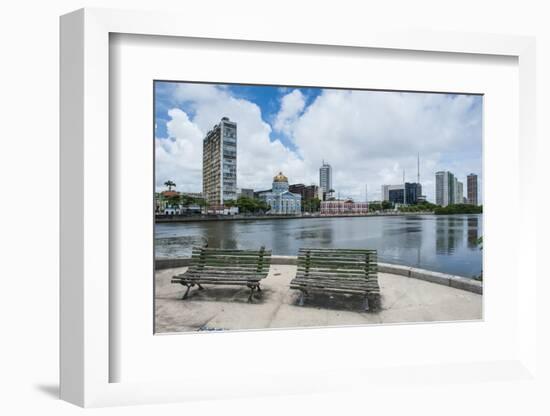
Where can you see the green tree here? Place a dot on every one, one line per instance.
(387, 205)
(169, 184)
(187, 200)
(174, 201)
(459, 209)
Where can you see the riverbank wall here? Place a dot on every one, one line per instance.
(457, 282)
(181, 218)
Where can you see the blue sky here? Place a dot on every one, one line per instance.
(268, 98)
(369, 137)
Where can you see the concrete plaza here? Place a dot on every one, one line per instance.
(404, 299)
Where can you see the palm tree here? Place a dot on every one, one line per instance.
(169, 184)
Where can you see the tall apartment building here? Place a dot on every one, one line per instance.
(459, 193)
(471, 182)
(325, 178)
(219, 163)
(445, 185)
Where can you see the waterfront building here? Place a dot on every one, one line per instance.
(407, 193)
(307, 193)
(325, 180)
(396, 195)
(444, 188)
(219, 163)
(261, 194)
(459, 193)
(344, 207)
(311, 192)
(412, 192)
(298, 188)
(246, 193)
(472, 188)
(386, 192)
(166, 200)
(280, 199)
(196, 195)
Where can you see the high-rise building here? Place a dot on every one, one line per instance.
(472, 189)
(445, 185)
(219, 163)
(412, 192)
(459, 193)
(325, 179)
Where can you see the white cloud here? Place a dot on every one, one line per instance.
(292, 105)
(370, 138)
(367, 137)
(178, 156)
(258, 158)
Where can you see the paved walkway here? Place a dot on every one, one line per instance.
(223, 308)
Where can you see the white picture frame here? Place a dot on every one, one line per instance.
(86, 356)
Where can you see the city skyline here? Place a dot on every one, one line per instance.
(294, 129)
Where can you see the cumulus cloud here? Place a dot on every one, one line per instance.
(372, 137)
(258, 157)
(368, 137)
(292, 105)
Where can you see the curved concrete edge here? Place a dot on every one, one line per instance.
(457, 282)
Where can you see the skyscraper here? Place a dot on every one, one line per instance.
(325, 178)
(219, 163)
(445, 185)
(459, 193)
(472, 189)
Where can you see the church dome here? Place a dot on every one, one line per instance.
(280, 178)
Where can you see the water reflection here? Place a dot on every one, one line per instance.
(473, 232)
(443, 243)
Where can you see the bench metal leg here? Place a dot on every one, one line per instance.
(303, 295)
(200, 287)
(258, 288)
(366, 303)
(187, 291)
(251, 292)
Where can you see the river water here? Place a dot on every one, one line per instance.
(434, 242)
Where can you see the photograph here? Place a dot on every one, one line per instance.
(283, 206)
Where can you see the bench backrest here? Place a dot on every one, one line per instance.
(338, 263)
(205, 259)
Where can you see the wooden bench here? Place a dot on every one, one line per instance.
(225, 267)
(347, 271)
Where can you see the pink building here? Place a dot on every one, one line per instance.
(344, 208)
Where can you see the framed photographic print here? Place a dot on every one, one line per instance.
(243, 215)
(250, 175)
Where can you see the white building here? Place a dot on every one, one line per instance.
(280, 199)
(459, 193)
(445, 188)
